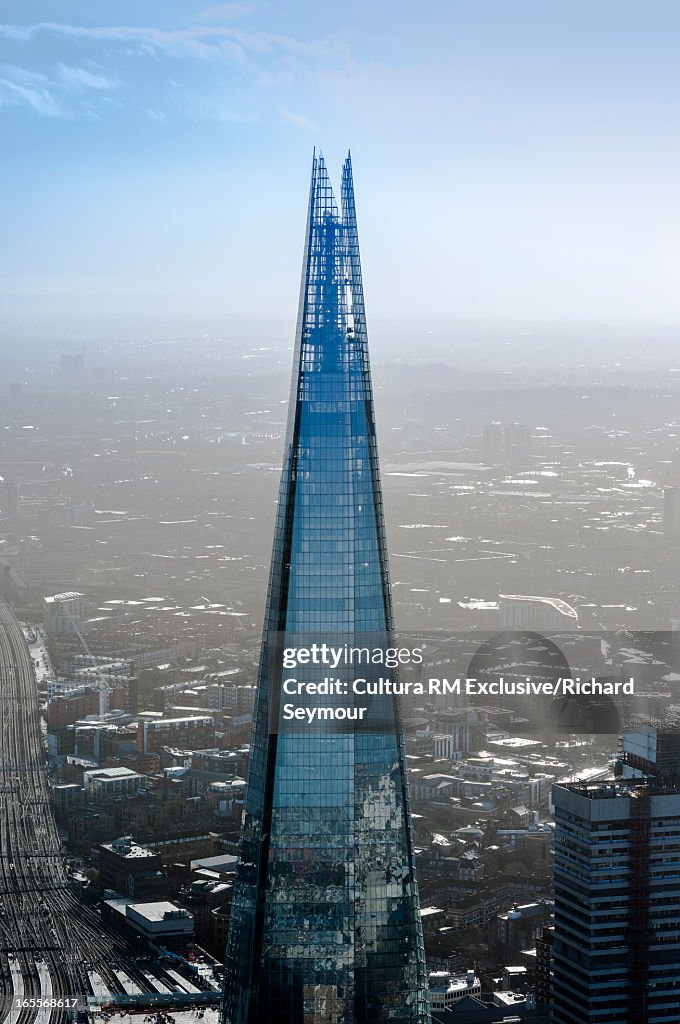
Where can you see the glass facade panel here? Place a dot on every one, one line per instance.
(325, 924)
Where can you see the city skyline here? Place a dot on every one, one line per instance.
(528, 152)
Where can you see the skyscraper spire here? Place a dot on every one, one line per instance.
(325, 925)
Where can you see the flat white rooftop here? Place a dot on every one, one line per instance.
(159, 911)
(111, 773)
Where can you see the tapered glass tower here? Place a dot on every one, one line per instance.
(325, 925)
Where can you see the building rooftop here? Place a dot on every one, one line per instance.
(442, 981)
(160, 911)
(223, 861)
(110, 773)
(126, 847)
(505, 998)
(184, 718)
(608, 789)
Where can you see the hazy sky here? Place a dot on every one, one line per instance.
(512, 158)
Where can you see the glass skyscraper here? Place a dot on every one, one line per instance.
(325, 925)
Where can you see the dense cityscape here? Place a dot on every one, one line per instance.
(137, 499)
(339, 652)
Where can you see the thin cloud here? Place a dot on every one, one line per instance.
(268, 60)
(23, 76)
(81, 78)
(206, 41)
(299, 120)
(16, 32)
(36, 98)
(68, 92)
(22, 88)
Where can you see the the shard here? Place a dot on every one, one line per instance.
(325, 925)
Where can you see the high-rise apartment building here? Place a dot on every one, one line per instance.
(616, 944)
(63, 614)
(325, 925)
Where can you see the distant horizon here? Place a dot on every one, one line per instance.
(26, 313)
(507, 352)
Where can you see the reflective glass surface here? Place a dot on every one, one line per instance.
(325, 923)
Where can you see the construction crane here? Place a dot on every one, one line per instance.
(101, 685)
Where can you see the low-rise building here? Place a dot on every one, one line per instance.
(518, 928)
(191, 732)
(103, 784)
(65, 796)
(446, 989)
(159, 921)
(130, 869)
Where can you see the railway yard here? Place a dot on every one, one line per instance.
(56, 958)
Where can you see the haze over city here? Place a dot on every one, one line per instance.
(455, 465)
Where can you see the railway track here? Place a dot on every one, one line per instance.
(46, 934)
